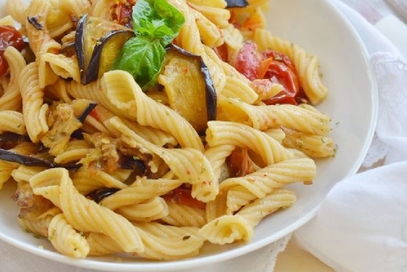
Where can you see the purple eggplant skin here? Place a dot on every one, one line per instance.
(210, 91)
(105, 53)
(236, 3)
(80, 44)
(77, 134)
(100, 194)
(87, 111)
(10, 140)
(211, 96)
(34, 22)
(10, 156)
(97, 44)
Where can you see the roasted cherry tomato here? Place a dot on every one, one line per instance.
(122, 12)
(248, 60)
(279, 57)
(183, 196)
(3, 66)
(274, 66)
(279, 72)
(9, 36)
(239, 163)
(222, 52)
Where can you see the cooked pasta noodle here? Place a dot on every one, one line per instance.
(83, 214)
(266, 117)
(12, 121)
(65, 239)
(163, 243)
(141, 190)
(11, 99)
(241, 191)
(40, 225)
(184, 215)
(147, 211)
(229, 133)
(104, 164)
(34, 109)
(75, 7)
(86, 183)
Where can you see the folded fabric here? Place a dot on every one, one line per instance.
(362, 225)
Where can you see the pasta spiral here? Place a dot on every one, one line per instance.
(108, 165)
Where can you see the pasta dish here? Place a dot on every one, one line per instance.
(153, 127)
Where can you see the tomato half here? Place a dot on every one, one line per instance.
(248, 60)
(270, 65)
(279, 72)
(9, 36)
(239, 163)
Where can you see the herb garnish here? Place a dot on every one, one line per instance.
(156, 23)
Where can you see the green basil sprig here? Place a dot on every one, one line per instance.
(156, 23)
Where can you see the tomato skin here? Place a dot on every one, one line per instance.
(95, 115)
(183, 196)
(279, 72)
(280, 69)
(9, 36)
(122, 12)
(270, 65)
(279, 57)
(3, 66)
(222, 52)
(239, 163)
(248, 60)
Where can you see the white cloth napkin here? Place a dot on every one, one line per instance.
(362, 224)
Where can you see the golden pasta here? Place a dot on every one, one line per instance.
(94, 142)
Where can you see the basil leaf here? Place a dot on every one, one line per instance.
(142, 59)
(156, 23)
(157, 19)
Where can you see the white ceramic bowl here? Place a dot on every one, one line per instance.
(318, 27)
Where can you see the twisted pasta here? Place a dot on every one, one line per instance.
(83, 214)
(230, 228)
(224, 133)
(123, 92)
(168, 242)
(184, 215)
(147, 211)
(34, 109)
(11, 99)
(241, 191)
(141, 190)
(65, 239)
(111, 166)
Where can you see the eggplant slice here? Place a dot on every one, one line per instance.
(100, 194)
(189, 87)
(97, 44)
(10, 156)
(236, 3)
